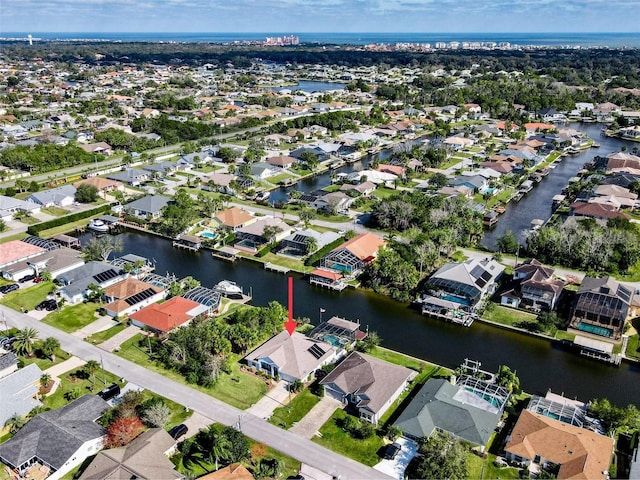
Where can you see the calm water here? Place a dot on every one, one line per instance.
(539, 364)
(537, 204)
(310, 87)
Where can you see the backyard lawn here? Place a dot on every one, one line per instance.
(336, 439)
(238, 388)
(508, 316)
(27, 298)
(285, 417)
(73, 318)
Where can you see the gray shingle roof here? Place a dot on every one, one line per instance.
(440, 404)
(17, 391)
(150, 204)
(53, 437)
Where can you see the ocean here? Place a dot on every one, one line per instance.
(614, 40)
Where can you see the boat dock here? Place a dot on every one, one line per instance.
(228, 254)
(597, 349)
(276, 268)
(464, 320)
(336, 286)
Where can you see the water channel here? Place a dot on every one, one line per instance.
(539, 364)
(537, 204)
(310, 86)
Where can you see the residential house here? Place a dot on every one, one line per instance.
(63, 196)
(147, 207)
(130, 295)
(130, 176)
(297, 242)
(354, 255)
(235, 471)
(55, 261)
(291, 357)
(161, 168)
(601, 307)
(100, 147)
(458, 143)
(621, 162)
(164, 317)
(18, 387)
(365, 188)
(465, 283)
(262, 170)
(9, 206)
(469, 410)
(283, 162)
(57, 441)
(234, 218)
(367, 385)
(145, 458)
(333, 202)
(103, 185)
(254, 233)
(15, 251)
(538, 288)
(476, 182)
(602, 211)
(538, 441)
(76, 282)
(614, 195)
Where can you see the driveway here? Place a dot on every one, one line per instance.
(64, 367)
(278, 396)
(395, 468)
(101, 324)
(317, 416)
(119, 338)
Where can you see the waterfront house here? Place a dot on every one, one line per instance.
(145, 458)
(367, 385)
(291, 357)
(614, 195)
(601, 308)
(469, 410)
(354, 255)
(538, 288)
(234, 218)
(16, 251)
(76, 282)
(465, 283)
(599, 211)
(253, 234)
(297, 243)
(365, 188)
(164, 317)
(282, 161)
(63, 196)
(54, 442)
(540, 442)
(262, 170)
(18, 387)
(130, 295)
(55, 261)
(147, 207)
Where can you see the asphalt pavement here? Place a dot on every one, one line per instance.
(297, 447)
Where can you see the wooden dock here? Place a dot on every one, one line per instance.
(465, 320)
(337, 286)
(276, 268)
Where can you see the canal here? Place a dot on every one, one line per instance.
(539, 364)
(537, 204)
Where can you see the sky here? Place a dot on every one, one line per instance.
(299, 16)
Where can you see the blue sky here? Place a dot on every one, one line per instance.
(319, 15)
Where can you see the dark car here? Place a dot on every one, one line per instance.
(27, 278)
(391, 451)
(9, 288)
(49, 305)
(178, 431)
(109, 392)
(295, 477)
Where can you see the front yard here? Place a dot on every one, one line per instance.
(26, 299)
(285, 417)
(77, 383)
(238, 388)
(73, 318)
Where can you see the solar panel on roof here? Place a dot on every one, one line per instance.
(140, 297)
(104, 276)
(316, 351)
(299, 238)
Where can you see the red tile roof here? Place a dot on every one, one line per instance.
(166, 316)
(363, 246)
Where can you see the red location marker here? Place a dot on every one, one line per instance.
(290, 325)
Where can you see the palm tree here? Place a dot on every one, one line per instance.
(220, 447)
(49, 347)
(25, 338)
(45, 378)
(15, 423)
(91, 367)
(312, 244)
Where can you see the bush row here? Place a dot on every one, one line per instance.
(56, 222)
(315, 258)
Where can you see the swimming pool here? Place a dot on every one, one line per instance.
(595, 329)
(209, 235)
(337, 342)
(456, 299)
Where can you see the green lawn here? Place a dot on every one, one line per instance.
(73, 318)
(290, 263)
(55, 211)
(285, 417)
(336, 439)
(404, 360)
(484, 468)
(275, 179)
(67, 227)
(75, 379)
(508, 316)
(27, 298)
(238, 388)
(384, 192)
(103, 336)
(42, 360)
(178, 412)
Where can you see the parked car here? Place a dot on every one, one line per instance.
(27, 278)
(178, 431)
(109, 392)
(391, 451)
(49, 305)
(11, 287)
(37, 280)
(6, 342)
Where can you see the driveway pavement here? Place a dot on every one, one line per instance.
(317, 416)
(256, 428)
(64, 367)
(395, 468)
(278, 396)
(195, 423)
(101, 324)
(119, 338)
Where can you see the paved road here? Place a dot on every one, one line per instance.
(299, 448)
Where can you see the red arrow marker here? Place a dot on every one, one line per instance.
(290, 325)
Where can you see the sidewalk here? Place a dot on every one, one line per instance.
(119, 338)
(317, 416)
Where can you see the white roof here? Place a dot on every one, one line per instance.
(593, 344)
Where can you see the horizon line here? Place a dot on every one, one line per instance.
(334, 33)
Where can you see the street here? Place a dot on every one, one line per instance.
(297, 447)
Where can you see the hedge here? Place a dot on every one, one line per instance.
(265, 250)
(56, 222)
(313, 259)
